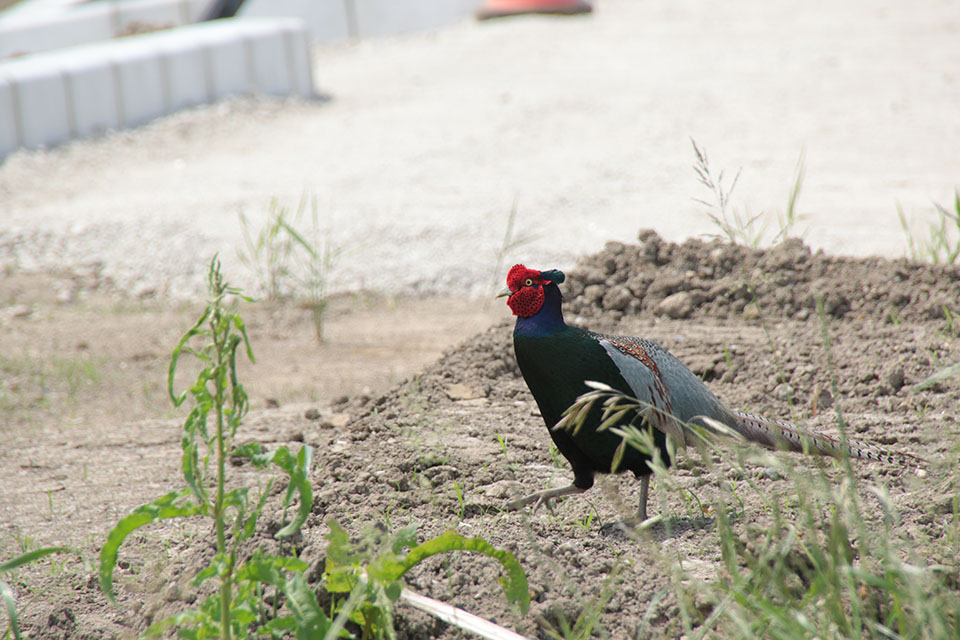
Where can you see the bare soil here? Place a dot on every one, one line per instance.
(89, 436)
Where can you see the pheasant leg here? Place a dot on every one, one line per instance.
(644, 490)
(629, 524)
(542, 498)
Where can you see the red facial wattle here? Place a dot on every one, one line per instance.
(526, 286)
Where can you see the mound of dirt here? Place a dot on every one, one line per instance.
(642, 287)
(719, 280)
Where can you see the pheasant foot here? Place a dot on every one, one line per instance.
(542, 498)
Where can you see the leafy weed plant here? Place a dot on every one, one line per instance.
(367, 575)
(210, 430)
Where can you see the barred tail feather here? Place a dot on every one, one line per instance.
(776, 434)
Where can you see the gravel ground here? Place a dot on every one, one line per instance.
(423, 142)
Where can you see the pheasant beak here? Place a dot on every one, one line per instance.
(506, 292)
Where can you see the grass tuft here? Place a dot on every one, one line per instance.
(736, 226)
(508, 245)
(56, 383)
(291, 257)
(941, 244)
(823, 564)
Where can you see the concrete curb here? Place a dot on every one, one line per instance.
(84, 80)
(93, 22)
(332, 20)
(49, 98)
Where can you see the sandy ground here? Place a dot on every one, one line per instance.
(427, 139)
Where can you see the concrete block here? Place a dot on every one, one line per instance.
(227, 64)
(52, 33)
(301, 64)
(92, 96)
(40, 101)
(93, 21)
(326, 20)
(195, 10)
(140, 83)
(387, 17)
(185, 74)
(9, 125)
(279, 55)
(269, 65)
(48, 98)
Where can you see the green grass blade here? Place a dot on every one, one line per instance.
(618, 455)
(938, 376)
(250, 526)
(29, 557)
(349, 610)
(192, 471)
(616, 416)
(160, 509)
(514, 586)
(306, 246)
(7, 595)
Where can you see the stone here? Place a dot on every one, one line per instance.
(895, 379)
(617, 298)
(460, 391)
(677, 305)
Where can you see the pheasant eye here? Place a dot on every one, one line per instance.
(528, 282)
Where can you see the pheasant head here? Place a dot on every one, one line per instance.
(525, 288)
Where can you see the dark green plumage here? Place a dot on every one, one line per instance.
(546, 364)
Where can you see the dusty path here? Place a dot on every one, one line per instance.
(427, 139)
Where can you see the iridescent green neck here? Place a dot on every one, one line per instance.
(548, 320)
